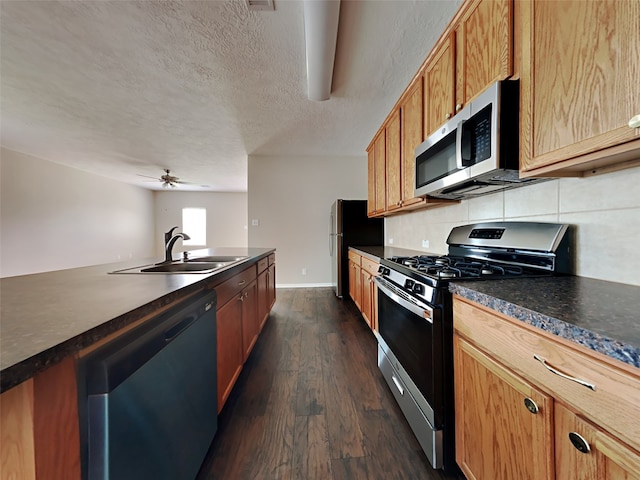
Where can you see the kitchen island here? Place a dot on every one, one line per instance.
(51, 319)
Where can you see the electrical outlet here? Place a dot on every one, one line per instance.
(304, 271)
(425, 243)
(391, 241)
(255, 222)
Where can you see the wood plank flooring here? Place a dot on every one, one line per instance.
(312, 404)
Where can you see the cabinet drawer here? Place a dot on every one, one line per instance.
(615, 402)
(354, 257)
(263, 264)
(229, 288)
(370, 266)
(272, 259)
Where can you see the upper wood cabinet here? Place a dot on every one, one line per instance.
(579, 85)
(477, 51)
(411, 121)
(393, 162)
(484, 47)
(439, 86)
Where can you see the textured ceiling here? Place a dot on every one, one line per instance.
(127, 88)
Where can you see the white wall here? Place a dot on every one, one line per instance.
(291, 197)
(226, 217)
(54, 217)
(604, 209)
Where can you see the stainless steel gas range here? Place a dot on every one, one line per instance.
(415, 341)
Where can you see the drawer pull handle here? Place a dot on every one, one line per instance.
(579, 442)
(531, 405)
(242, 282)
(398, 386)
(560, 374)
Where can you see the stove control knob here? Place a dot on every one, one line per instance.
(408, 284)
(383, 270)
(418, 288)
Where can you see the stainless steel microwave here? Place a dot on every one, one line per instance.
(477, 151)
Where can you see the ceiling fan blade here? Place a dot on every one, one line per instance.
(147, 176)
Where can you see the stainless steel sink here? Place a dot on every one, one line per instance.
(197, 267)
(217, 258)
(177, 267)
(192, 265)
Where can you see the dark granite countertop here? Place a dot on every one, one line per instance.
(600, 315)
(376, 253)
(47, 316)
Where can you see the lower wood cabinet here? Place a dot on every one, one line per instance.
(362, 288)
(517, 419)
(244, 303)
(584, 451)
(503, 424)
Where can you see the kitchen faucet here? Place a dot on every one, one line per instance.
(169, 241)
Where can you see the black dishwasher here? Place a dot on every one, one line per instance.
(148, 399)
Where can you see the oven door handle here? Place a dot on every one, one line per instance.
(393, 293)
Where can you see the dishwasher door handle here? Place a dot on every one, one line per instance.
(174, 331)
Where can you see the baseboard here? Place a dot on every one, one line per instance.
(304, 285)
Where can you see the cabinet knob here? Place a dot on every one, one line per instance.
(448, 116)
(579, 442)
(531, 405)
(634, 122)
(458, 107)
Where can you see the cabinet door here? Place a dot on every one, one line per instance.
(263, 297)
(504, 426)
(392, 162)
(365, 281)
(584, 452)
(271, 288)
(371, 181)
(412, 131)
(439, 95)
(250, 321)
(580, 87)
(484, 47)
(379, 155)
(355, 282)
(230, 349)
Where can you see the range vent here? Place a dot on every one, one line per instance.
(260, 4)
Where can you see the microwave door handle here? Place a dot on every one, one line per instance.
(459, 160)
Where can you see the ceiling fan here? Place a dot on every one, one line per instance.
(168, 180)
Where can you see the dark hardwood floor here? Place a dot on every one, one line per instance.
(312, 404)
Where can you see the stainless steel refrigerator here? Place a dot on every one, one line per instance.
(350, 227)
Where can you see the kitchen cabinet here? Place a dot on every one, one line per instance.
(250, 320)
(238, 326)
(362, 289)
(369, 304)
(377, 197)
(439, 85)
(271, 285)
(266, 288)
(579, 86)
(393, 171)
(474, 53)
(584, 451)
(579, 390)
(411, 133)
(492, 411)
(355, 279)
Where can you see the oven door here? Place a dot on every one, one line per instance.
(411, 331)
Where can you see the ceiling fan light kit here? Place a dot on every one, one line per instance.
(321, 34)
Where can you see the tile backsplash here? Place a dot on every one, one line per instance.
(604, 211)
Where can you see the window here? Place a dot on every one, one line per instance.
(194, 224)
